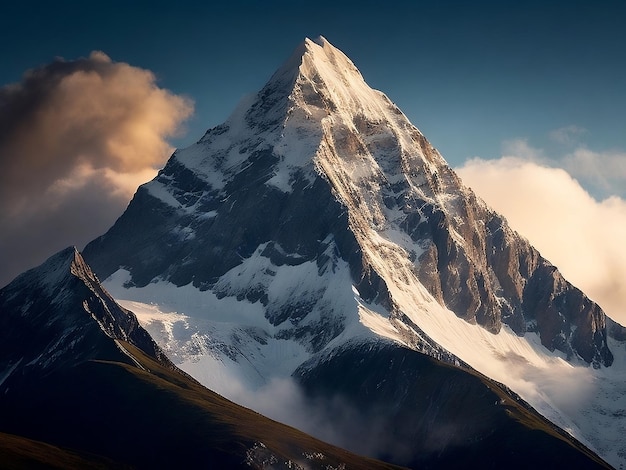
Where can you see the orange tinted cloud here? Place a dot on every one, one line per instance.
(76, 139)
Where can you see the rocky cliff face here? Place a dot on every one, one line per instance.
(484, 272)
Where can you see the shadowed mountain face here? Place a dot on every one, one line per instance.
(58, 316)
(83, 385)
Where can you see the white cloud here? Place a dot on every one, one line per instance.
(583, 237)
(602, 173)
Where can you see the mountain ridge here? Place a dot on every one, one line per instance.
(42, 295)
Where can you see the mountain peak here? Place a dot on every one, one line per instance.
(320, 41)
(315, 59)
(320, 49)
(58, 270)
(51, 310)
(317, 96)
(333, 75)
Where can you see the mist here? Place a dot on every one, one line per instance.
(334, 420)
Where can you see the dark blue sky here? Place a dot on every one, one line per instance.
(470, 75)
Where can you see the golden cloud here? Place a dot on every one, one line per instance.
(72, 128)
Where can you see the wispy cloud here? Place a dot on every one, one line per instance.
(582, 236)
(76, 139)
(568, 135)
(604, 172)
(332, 419)
(520, 148)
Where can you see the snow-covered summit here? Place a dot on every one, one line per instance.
(318, 61)
(317, 90)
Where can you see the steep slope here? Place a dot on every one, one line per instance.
(318, 216)
(82, 384)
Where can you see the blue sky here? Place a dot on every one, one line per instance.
(470, 75)
(509, 92)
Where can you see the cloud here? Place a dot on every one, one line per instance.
(582, 236)
(605, 172)
(602, 173)
(567, 135)
(520, 148)
(335, 420)
(76, 139)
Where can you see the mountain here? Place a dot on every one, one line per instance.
(82, 385)
(317, 223)
(319, 141)
(58, 316)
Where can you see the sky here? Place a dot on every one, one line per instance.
(525, 99)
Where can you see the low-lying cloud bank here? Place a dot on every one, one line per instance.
(582, 236)
(333, 420)
(76, 140)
